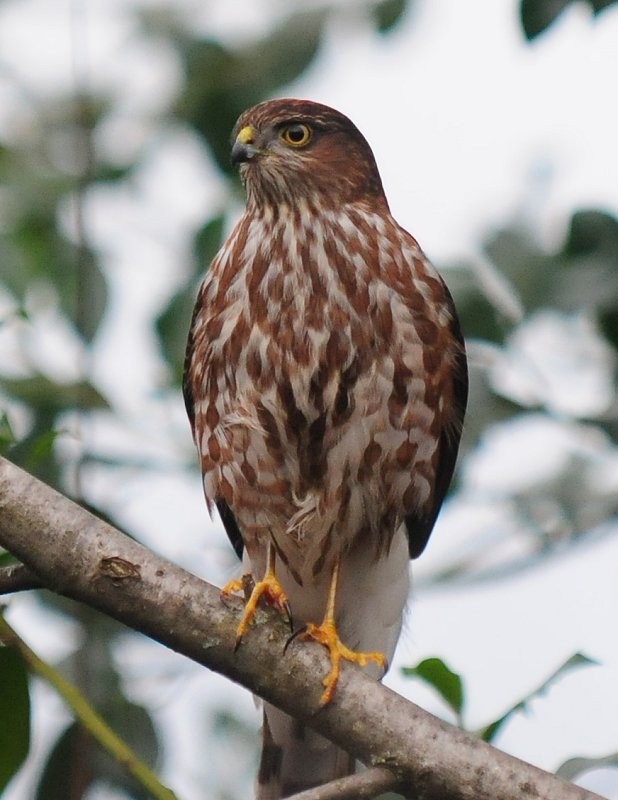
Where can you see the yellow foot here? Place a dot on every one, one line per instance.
(326, 634)
(244, 584)
(269, 589)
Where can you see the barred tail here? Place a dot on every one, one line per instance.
(295, 758)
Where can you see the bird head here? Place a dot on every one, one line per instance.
(288, 149)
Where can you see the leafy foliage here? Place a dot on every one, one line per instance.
(490, 731)
(574, 767)
(388, 14)
(451, 688)
(60, 779)
(7, 435)
(538, 15)
(221, 83)
(447, 683)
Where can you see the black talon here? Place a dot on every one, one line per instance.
(288, 612)
(294, 635)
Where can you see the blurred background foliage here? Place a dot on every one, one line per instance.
(57, 291)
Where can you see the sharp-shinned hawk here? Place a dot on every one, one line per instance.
(326, 385)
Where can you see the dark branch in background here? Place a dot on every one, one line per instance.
(77, 555)
(17, 578)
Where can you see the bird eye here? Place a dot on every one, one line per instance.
(297, 135)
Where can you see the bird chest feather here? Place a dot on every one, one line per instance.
(319, 372)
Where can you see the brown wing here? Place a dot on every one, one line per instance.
(418, 526)
(227, 517)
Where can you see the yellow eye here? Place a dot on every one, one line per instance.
(297, 135)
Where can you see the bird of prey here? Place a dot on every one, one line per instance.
(326, 384)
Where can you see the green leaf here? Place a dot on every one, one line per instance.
(172, 327)
(479, 318)
(388, 14)
(84, 297)
(41, 448)
(586, 269)
(32, 246)
(7, 437)
(575, 766)
(7, 559)
(46, 400)
(592, 231)
(14, 713)
(537, 15)
(40, 392)
(581, 274)
(608, 321)
(524, 265)
(76, 761)
(577, 660)
(135, 726)
(206, 243)
(67, 772)
(35, 452)
(600, 5)
(447, 683)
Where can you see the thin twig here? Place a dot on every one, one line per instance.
(18, 578)
(362, 786)
(86, 715)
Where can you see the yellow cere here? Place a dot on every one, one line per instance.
(246, 135)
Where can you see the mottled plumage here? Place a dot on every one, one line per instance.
(326, 385)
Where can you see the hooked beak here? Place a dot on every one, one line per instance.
(244, 148)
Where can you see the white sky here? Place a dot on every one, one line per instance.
(471, 126)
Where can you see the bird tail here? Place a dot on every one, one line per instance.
(295, 758)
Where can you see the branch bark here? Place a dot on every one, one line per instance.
(362, 786)
(79, 556)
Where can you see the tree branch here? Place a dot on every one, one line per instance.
(362, 786)
(77, 555)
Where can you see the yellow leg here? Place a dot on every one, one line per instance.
(326, 634)
(268, 588)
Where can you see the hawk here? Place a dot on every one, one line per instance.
(326, 384)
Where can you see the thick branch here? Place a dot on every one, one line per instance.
(78, 555)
